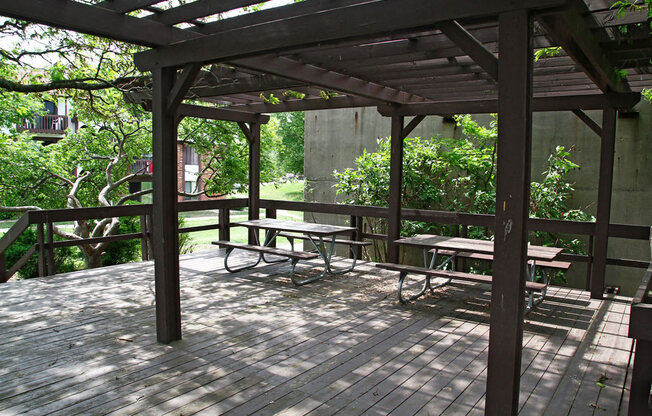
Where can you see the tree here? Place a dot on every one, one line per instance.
(93, 166)
(291, 131)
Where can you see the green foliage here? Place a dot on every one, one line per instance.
(126, 251)
(291, 132)
(65, 258)
(457, 175)
(546, 52)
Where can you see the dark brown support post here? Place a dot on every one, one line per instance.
(254, 177)
(356, 221)
(589, 263)
(464, 233)
(50, 249)
(512, 195)
(144, 250)
(639, 396)
(605, 183)
(395, 188)
(3, 268)
(271, 213)
(40, 240)
(164, 209)
(225, 229)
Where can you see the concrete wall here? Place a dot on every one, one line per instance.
(335, 138)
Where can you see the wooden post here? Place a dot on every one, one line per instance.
(144, 250)
(271, 213)
(395, 187)
(3, 268)
(225, 229)
(589, 263)
(50, 249)
(356, 221)
(164, 209)
(40, 240)
(639, 396)
(605, 183)
(512, 197)
(254, 177)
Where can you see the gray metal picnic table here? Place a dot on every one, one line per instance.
(454, 246)
(319, 236)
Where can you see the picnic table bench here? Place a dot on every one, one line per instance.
(315, 233)
(453, 247)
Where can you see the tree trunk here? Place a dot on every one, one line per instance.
(92, 259)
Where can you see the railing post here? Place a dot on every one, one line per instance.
(40, 240)
(50, 249)
(271, 213)
(3, 268)
(356, 221)
(589, 263)
(144, 246)
(225, 229)
(641, 378)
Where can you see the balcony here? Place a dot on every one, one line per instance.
(47, 124)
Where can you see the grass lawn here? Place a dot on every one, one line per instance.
(289, 191)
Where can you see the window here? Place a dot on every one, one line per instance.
(189, 188)
(191, 157)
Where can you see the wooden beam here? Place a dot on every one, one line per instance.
(197, 9)
(361, 21)
(307, 105)
(412, 125)
(125, 6)
(588, 121)
(181, 86)
(310, 74)
(570, 31)
(471, 46)
(94, 20)
(512, 203)
(257, 83)
(395, 189)
(559, 103)
(164, 210)
(213, 113)
(605, 185)
(253, 133)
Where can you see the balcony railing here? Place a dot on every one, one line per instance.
(49, 124)
(142, 166)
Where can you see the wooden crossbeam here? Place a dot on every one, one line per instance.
(181, 86)
(585, 102)
(356, 21)
(588, 121)
(246, 85)
(125, 6)
(570, 31)
(471, 46)
(213, 113)
(307, 105)
(299, 71)
(197, 9)
(94, 20)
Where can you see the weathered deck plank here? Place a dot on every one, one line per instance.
(84, 343)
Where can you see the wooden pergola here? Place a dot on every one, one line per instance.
(407, 58)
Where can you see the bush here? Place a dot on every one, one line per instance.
(65, 258)
(126, 251)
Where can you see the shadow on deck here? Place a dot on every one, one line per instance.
(84, 343)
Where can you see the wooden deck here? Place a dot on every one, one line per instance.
(84, 343)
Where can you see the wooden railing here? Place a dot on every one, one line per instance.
(45, 219)
(640, 328)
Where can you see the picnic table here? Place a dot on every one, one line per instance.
(319, 235)
(453, 247)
